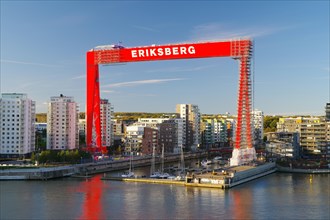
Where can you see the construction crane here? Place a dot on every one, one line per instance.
(240, 50)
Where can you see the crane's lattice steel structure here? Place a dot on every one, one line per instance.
(240, 50)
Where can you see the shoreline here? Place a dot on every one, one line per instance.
(95, 168)
(304, 171)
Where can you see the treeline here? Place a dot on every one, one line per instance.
(67, 156)
(42, 117)
(270, 123)
(136, 115)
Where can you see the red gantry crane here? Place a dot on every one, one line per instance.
(111, 54)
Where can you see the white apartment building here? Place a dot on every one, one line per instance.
(191, 125)
(257, 126)
(17, 128)
(107, 134)
(133, 139)
(220, 131)
(62, 123)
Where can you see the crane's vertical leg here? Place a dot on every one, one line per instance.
(93, 105)
(243, 150)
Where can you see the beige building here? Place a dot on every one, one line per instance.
(107, 135)
(62, 123)
(313, 132)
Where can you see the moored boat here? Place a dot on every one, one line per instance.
(206, 162)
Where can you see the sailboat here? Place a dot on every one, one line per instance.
(129, 173)
(182, 173)
(162, 174)
(153, 174)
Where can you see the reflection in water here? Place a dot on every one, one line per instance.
(92, 205)
(277, 196)
(242, 201)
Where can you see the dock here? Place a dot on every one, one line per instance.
(222, 179)
(145, 180)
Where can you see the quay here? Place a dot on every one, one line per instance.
(43, 173)
(306, 171)
(224, 179)
(86, 169)
(145, 180)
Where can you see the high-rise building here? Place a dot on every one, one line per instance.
(327, 112)
(107, 135)
(191, 125)
(62, 123)
(17, 128)
(257, 127)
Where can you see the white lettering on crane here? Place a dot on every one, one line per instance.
(159, 52)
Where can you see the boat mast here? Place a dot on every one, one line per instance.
(163, 158)
(152, 170)
(182, 161)
(130, 161)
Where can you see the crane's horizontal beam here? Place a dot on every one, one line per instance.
(119, 54)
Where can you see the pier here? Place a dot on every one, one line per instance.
(224, 179)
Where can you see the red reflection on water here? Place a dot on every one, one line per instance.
(92, 206)
(242, 203)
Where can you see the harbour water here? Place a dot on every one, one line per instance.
(276, 196)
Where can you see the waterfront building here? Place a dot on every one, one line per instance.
(257, 127)
(327, 112)
(62, 123)
(17, 128)
(106, 114)
(328, 139)
(133, 139)
(313, 132)
(150, 141)
(191, 125)
(220, 132)
(214, 132)
(283, 144)
(313, 140)
(207, 133)
(170, 132)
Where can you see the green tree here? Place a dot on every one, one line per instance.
(270, 123)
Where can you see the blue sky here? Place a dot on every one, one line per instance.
(43, 48)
